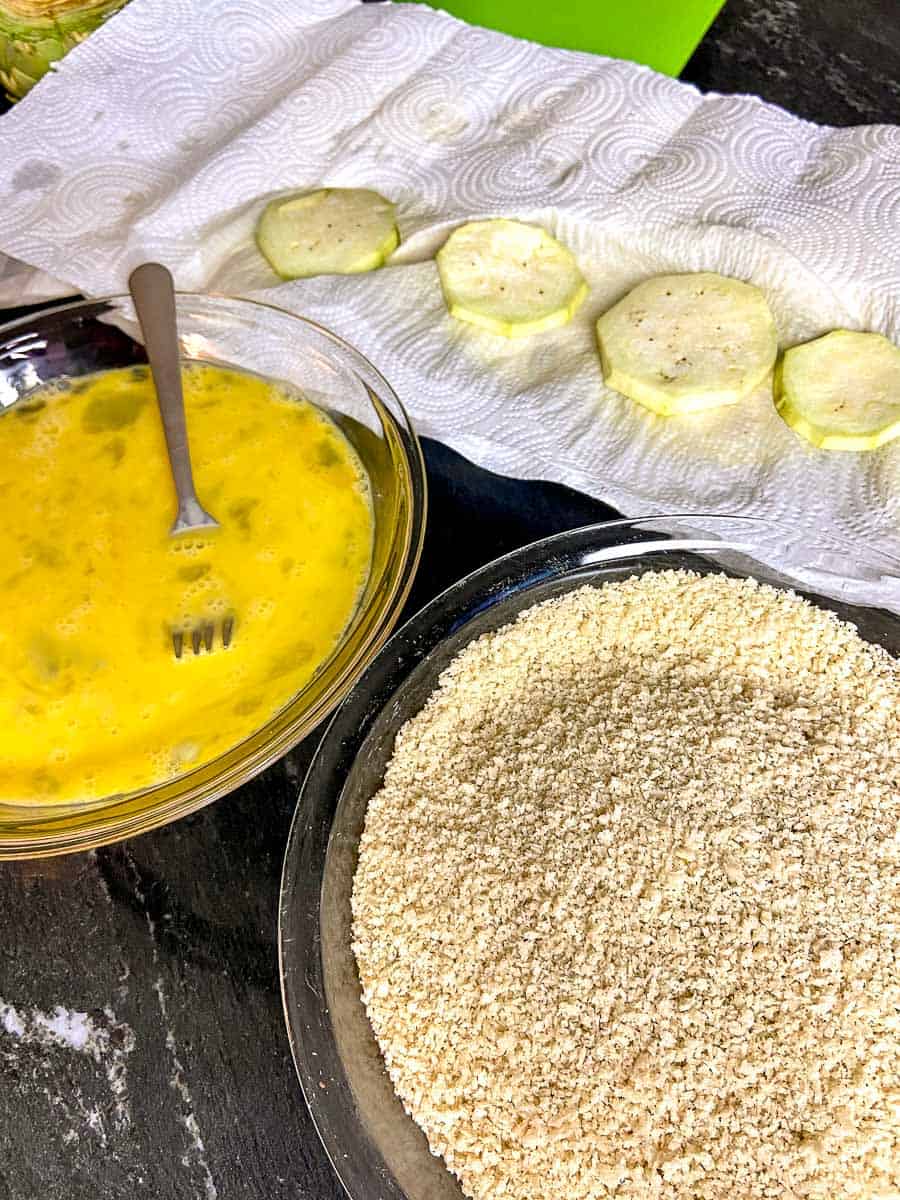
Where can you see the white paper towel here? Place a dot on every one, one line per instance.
(166, 132)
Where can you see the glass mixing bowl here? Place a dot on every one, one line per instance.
(377, 1150)
(79, 339)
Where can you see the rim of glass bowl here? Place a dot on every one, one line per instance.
(315, 1003)
(83, 827)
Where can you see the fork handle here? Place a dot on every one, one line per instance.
(153, 293)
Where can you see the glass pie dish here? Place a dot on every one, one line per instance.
(374, 1146)
(80, 339)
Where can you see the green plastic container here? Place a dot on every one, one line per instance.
(662, 34)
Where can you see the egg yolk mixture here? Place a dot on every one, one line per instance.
(93, 701)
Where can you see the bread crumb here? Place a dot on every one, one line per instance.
(627, 908)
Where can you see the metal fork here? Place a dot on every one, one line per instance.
(153, 293)
(201, 635)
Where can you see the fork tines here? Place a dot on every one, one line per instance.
(201, 637)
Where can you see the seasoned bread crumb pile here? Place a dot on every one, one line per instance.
(627, 909)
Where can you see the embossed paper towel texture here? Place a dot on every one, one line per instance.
(166, 132)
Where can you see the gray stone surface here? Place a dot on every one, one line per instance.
(177, 1081)
(833, 61)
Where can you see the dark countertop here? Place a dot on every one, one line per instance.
(177, 1083)
(832, 61)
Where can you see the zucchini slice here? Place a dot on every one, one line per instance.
(333, 231)
(511, 278)
(683, 343)
(841, 391)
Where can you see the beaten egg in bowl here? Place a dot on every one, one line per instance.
(93, 701)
